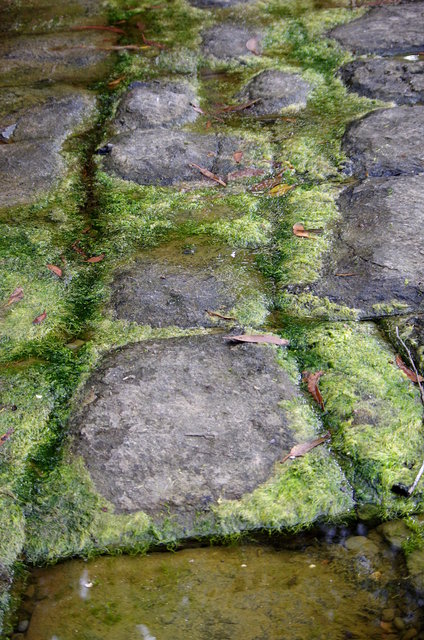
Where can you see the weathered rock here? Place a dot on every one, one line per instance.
(395, 532)
(227, 40)
(178, 283)
(275, 90)
(147, 105)
(400, 81)
(415, 564)
(386, 30)
(40, 16)
(171, 426)
(379, 239)
(162, 156)
(31, 162)
(80, 56)
(387, 142)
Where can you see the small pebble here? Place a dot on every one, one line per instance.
(23, 626)
(399, 623)
(387, 615)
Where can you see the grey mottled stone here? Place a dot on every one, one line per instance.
(178, 282)
(380, 239)
(275, 90)
(387, 142)
(147, 105)
(386, 30)
(227, 40)
(399, 81)
(145, 400)
(163, 156)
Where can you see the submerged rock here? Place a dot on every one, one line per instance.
(177, 284)
(164, 157)
(274, 90)
(379, 240)
(387, 142)
(400, 81)
(147, 105)
(386, 30)
(227, 40)
(174, 425)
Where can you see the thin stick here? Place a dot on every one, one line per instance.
(411, 360)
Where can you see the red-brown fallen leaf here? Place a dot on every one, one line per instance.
(208, 124)
(244, 173)
(237, 155)
(411, 374)
(208, 174)
(252, 45)
(152, 43)
(57, 270)
(87, 229)
(141, 26)
(300, 449)
(39, 319)
(6, 435)
(215, 314)
(311, 380)
(94, 259)
(267, 339)
(300, 231)
(78, 249)
(237, 107)
(99, 28)
(268, 183)
(114, 83)
(15, 296)
(197, 108)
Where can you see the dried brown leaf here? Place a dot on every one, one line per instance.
(208, 124)
(281, 189)
(300, 231)
(268, 183)
(215, 314)
(95, 259)
(252, 45)
(261, 339)
(6, 435)
(300, 449)
(411, 374)
(114, 83)
(237, 155)
(238, 107)
(39, 319)
(311, 380)
(152, 43)
(197, 108)
(208, 174)
(99, 28)
(15, 296)
(244, 173)
(57, 270)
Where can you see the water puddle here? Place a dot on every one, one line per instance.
(351, 588)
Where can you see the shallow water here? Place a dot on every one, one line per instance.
(320, 590)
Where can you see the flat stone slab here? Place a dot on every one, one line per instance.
(31, 160)
(379, 240)
(176, 284)
(399, 81)
(227, 40)
(388, 30)
(387, 142)
(275, 90)
(147, 105)
(163, 156)
(171, 426)
(73, 56)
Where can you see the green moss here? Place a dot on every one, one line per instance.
(307, 305)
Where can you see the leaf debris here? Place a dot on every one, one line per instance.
(39, 319)
(208, 174)
(15, 296)
(56, 270)
(260, 339)
(311, 380)
(300, 449)
(414, 377)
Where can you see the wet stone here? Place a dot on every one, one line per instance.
(147, 105)
(163, 157)
(40, 16)
(388, 30)
(175, 285)
(399, 81)
(225, 41)
(387, 142)
(275, 91)
(79, 56)
(379, 239)
(173, 425)
(31, 161)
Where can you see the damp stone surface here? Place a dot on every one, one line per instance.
(274, 90)
(228, 40)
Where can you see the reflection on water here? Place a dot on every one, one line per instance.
(348, 589)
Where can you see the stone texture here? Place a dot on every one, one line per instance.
(176, 283)
(227, 40)
(147, 105)
(275, 90)
(380, 239)
(40, 16)
(399, 81)
(387, 142)
(145, 400)
(31, 162)
(163, 157)
(74, 56)
(386, 30)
